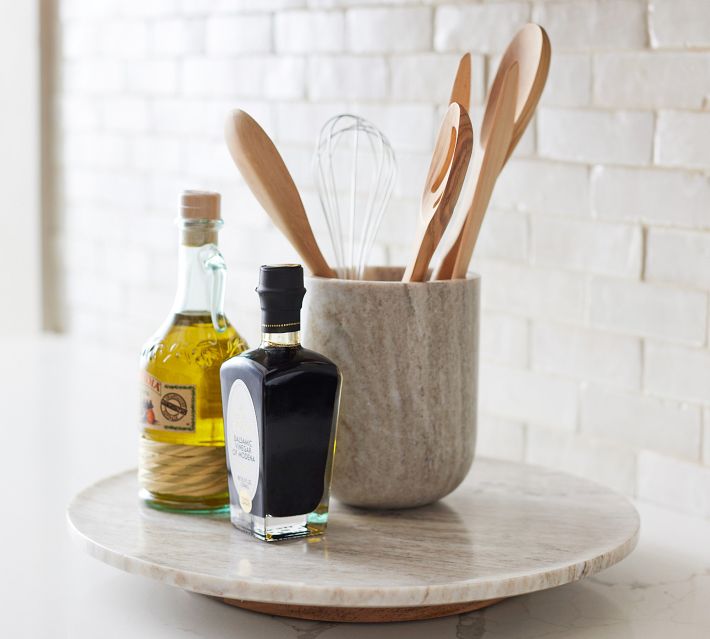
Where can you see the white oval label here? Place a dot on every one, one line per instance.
(243, 443)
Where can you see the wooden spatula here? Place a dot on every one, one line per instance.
(447, 170)
(492, 160)
(530, 49)
(265, 172)
(461, 91)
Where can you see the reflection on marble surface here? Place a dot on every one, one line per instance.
(509, 529)
(50, 588)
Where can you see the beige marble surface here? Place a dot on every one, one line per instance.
(509, 529)
(408, 353)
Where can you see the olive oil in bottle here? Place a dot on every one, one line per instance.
(182, 456)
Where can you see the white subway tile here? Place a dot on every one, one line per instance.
(675, 484)
(208, 160)
(79, 39)
(177, 37)
(154, 77)
(504, 339)
(586, 354)
(124, 39)
(500, 438)
(227, 35)
(623, 137)
(69, 9)
(301, 122)
(126, 114)
(641, 421)
(677, 372)
(679, 257)
(92, 77)
(409, 127)
(543, 187)
(683, 139)
(429, 77)
(212, 77)
(254, 77)
(178, 116)
(579, 25)
(530, 397)
(503, 235)
(150, 153)
(651, 80)
(309, 32)
(285, 78)
(234, 6)
(412, 169)
(87, 150)
(347, 78)
(590, 246)
(395, 29)
(148, 8)
(649, 310)
(569, 83)
(484, 28)
(666, 197)
(679, 23)
(594, 459)
(530, 291)
(78, 113)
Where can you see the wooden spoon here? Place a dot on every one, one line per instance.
(461, 91)
(264, 171)
(447, 170)
(530, 49)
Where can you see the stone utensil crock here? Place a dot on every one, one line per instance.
(408, 353)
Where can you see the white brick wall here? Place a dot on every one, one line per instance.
(595, 254)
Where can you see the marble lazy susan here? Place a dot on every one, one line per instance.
(508, 529)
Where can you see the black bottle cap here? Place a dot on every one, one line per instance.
(281, 293)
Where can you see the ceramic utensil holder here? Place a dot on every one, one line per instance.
(408, 353)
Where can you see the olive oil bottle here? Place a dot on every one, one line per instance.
(182, 456)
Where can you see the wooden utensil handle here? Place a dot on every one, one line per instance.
(491, 165)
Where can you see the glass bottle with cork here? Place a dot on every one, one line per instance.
(182, 457)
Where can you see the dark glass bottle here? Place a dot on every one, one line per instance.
(280, 405)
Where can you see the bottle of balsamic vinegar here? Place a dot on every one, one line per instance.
(182, 460)
(280, 413)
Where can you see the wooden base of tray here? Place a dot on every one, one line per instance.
(360, 615)
(507, 530)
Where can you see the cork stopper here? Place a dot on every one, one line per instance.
(200, 205)
(200, 217)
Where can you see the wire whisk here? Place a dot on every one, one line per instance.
(355, 169)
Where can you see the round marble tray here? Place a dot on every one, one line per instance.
(507, 530)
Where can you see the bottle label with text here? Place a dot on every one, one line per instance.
(166, 406)
(242, 440)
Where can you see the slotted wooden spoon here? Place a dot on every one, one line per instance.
(447, 170)
(530, 50)
(265, 172)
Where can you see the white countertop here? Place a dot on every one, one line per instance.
(69, 418)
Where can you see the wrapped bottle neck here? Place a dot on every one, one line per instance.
(199, 232)
(276, 340)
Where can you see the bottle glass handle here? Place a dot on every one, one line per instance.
(214, 265)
